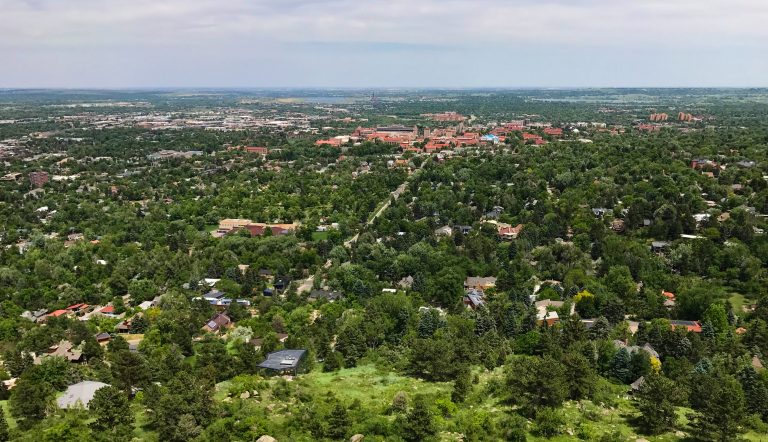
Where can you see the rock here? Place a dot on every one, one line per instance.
(245, 395)
(681, 434)
(641, 440)
(356, 438)
(266, 438)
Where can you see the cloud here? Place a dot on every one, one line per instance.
(106, 36)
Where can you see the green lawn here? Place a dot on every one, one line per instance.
(738, 301)
(319, 236)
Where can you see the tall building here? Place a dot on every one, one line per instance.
(38, 179)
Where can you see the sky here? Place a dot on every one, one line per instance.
(383, 43)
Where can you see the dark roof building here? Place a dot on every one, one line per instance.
(284, 361)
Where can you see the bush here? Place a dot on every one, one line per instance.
(549, 422)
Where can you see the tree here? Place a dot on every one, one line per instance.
(755, 391)
(620, 366)
(720, 406)
(534, 382)
(462, 386)
(30, 401)
(549, 422)
(338, 422)
(16, 362)
(111, 409)
(418, 425)
(654, 400)
(4, 430)
(128, 370)
(717, 317)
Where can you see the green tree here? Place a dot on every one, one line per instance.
(720, 406)
(4, 430)
(338, 422)
(111, 409)
(462, 385)
(30, 401)
(418, 425)
(654, 400)
(534, 382)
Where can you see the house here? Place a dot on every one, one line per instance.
(406, 282)
(80, 394)
(669, 299)
(285, 362)
(474, 299)
(463, 229)
(636, 348)
(443, 231)
(330, 296)
(479, 283)
(282, 282)
(545, 311)
(495, 213)
(78, 308)
(691, 326)
(108, 311)
(618, 225)
(34, 316)
(508, 232)
(219, 322)
(659, 246)
(64, 349)
(103, 337)
(57, 313)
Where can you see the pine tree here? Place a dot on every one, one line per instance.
(418, 425)
(4, 430)
(338, 422)
(654, 401)
(755, 391)
(621, 366)
(462, 385)
(719, 406)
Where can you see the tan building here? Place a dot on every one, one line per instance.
(233, 223)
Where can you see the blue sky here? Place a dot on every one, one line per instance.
(383, 43)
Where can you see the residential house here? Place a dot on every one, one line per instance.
(443, 231)
(669, 299)
(507, 232)
(80, 394)
(64, 349)
(479, 283)
(691, 326)
(219, 322)
(328, 295)
(474, 299)
(285, 362)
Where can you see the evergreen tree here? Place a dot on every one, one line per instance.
(418, 425)
(654, 400)
(620, 366)
(112, 413)
(720, 406)
(4, 430)
(30, 401)
(338, 422)
(462, 386)
(755, 392)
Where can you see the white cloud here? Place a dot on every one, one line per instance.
(98, 31)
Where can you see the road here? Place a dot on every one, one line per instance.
(306, 284)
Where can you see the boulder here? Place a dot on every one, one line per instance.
(266, 438)
(356, 438)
